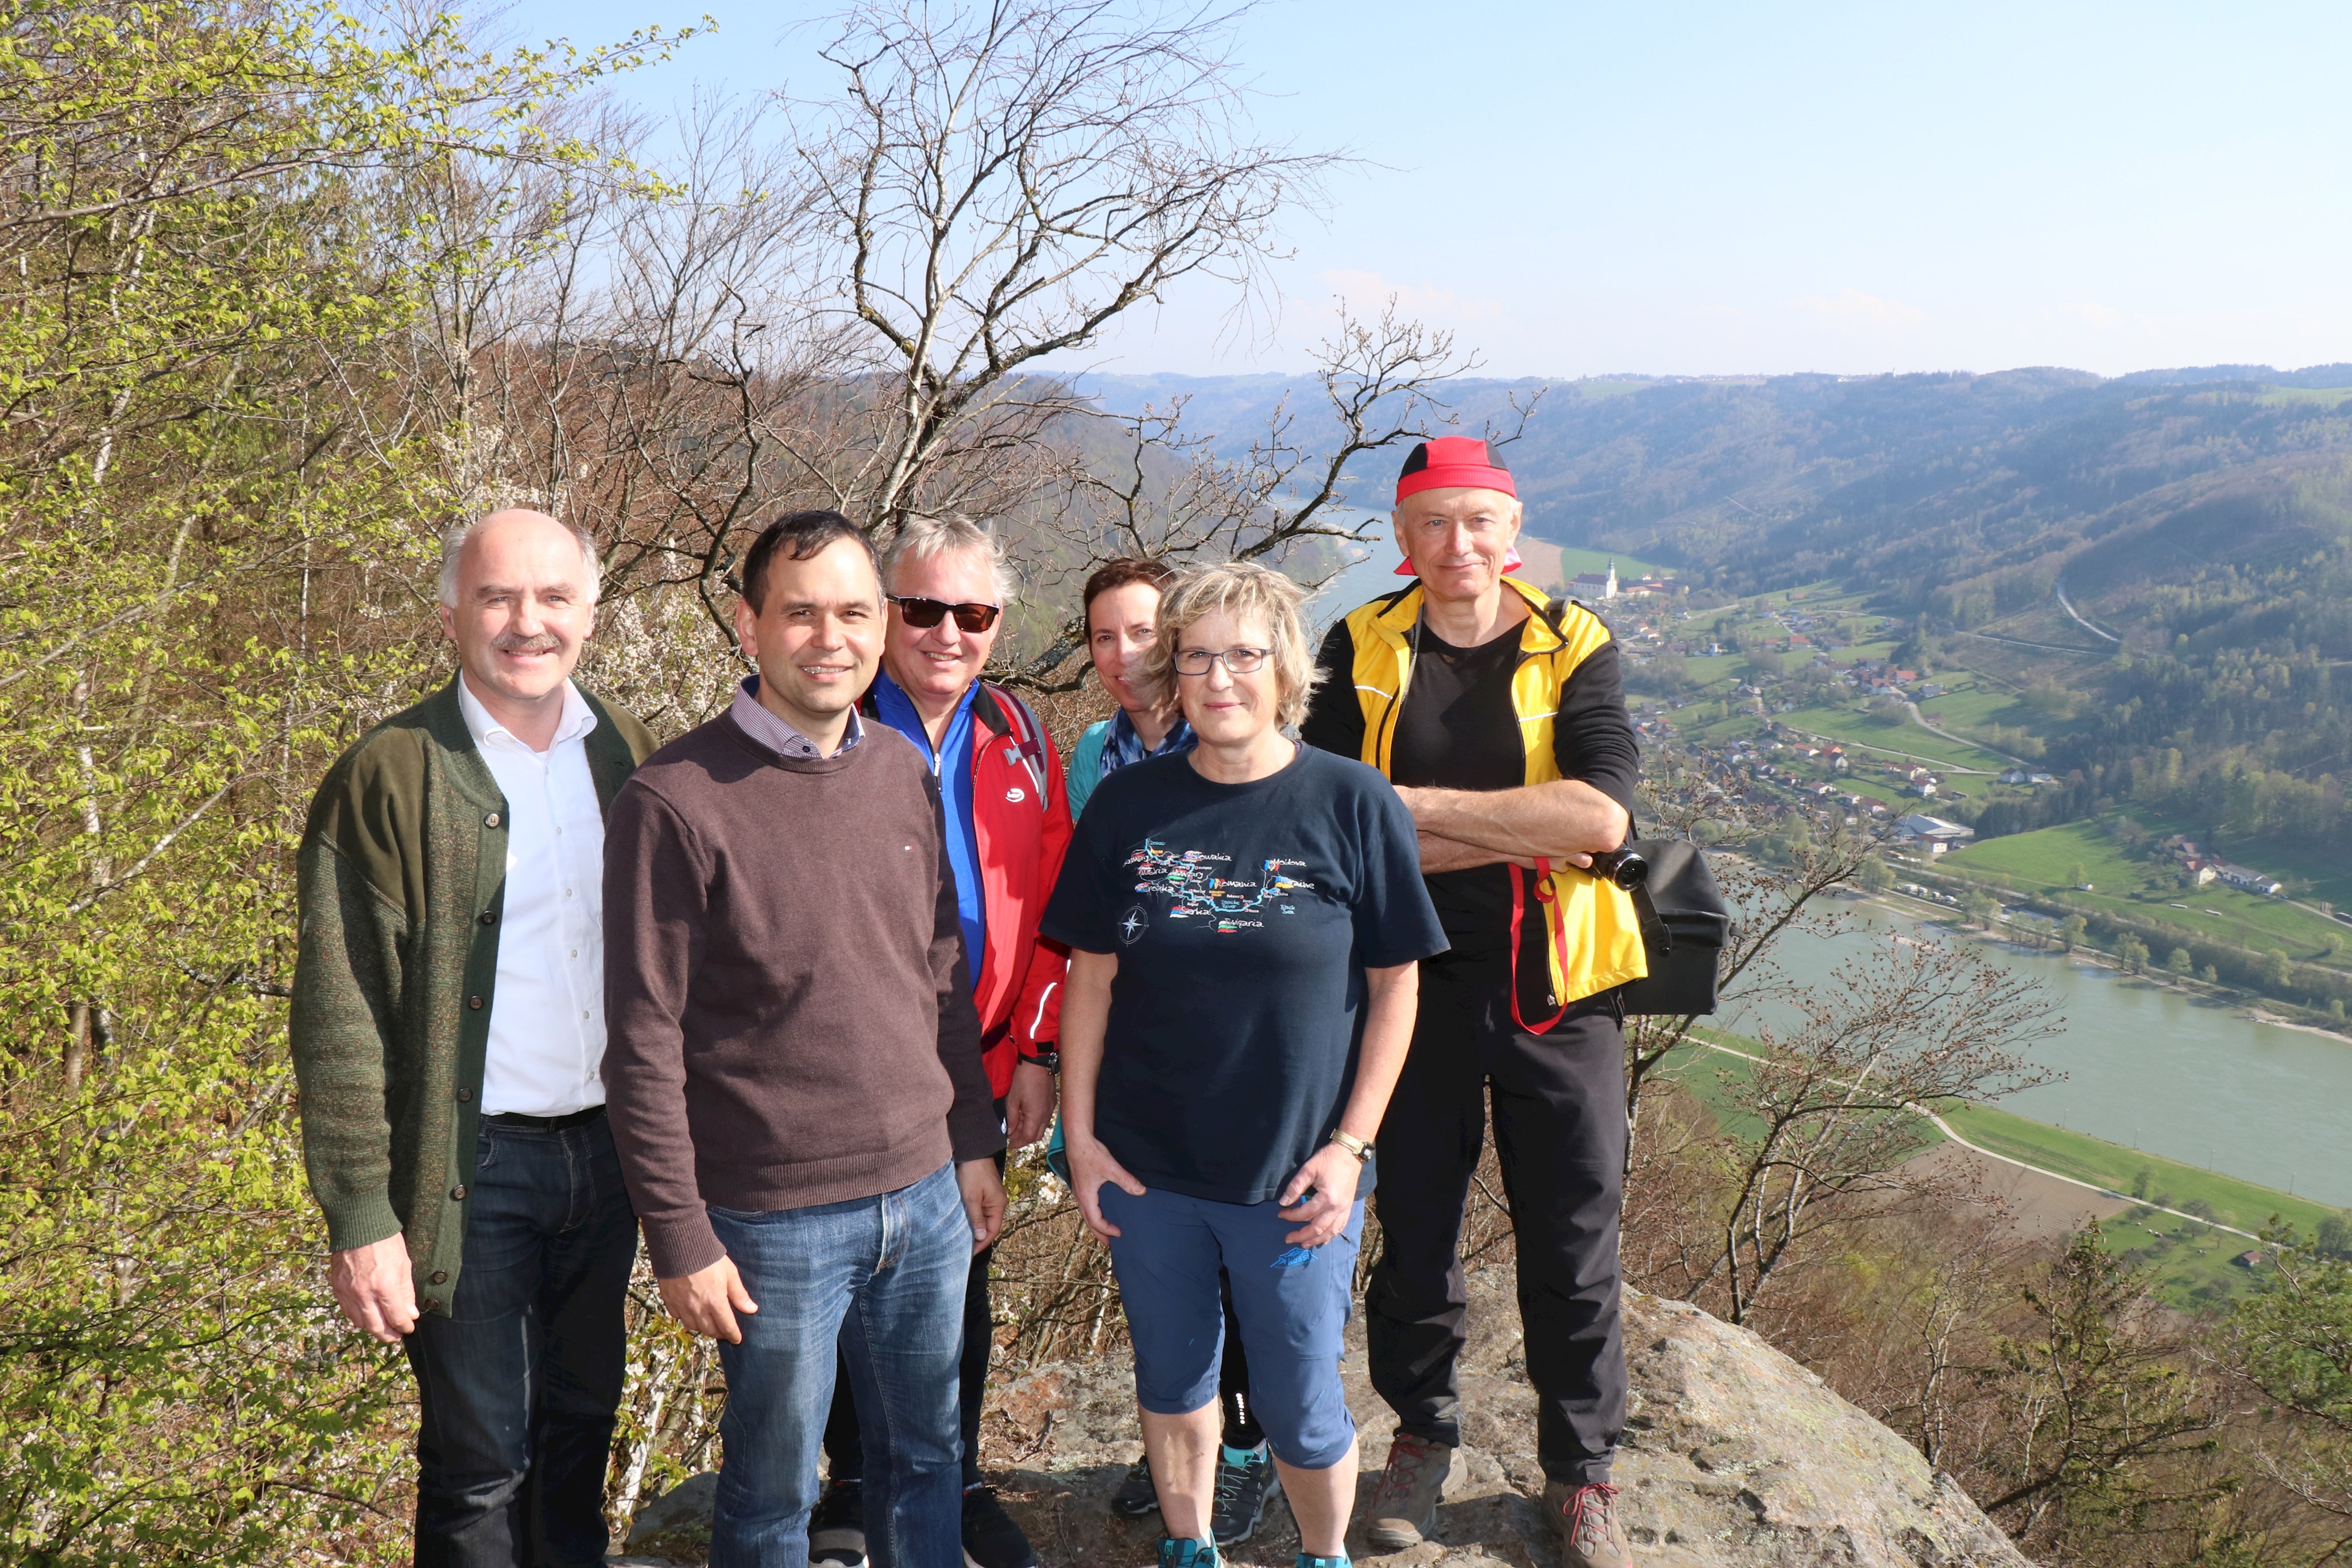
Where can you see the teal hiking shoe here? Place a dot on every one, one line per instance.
(1189, 1554)
(1244, 1480)
(1306, 1561)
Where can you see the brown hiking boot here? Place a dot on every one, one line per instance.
(1585, 1519)
(1404, 1505)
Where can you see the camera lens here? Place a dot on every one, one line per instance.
(1626, 869)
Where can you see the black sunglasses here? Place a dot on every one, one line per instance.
(923, 614)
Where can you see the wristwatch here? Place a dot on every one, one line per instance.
(1049, 1058)
(1353, 1144)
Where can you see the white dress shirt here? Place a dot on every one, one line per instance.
(547, 1014)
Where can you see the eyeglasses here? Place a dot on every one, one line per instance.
(1239, 661)
(923, 614)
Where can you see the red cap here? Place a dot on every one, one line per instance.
(1453, 462)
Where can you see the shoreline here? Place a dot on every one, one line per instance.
(2247, 1005)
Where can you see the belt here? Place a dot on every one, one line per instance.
(521, 1122)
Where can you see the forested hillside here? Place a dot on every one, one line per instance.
(2199, 520)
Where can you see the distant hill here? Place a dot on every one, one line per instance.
(1970, 493)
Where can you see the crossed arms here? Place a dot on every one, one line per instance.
(1564, 822)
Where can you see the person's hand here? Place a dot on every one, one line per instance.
(1028, 1104)
(706, 1300)
(1091, 1165)
(373, 1286)
(1327, 1183)
(983, 1199)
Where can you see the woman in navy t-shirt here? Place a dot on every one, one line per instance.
(1244, 921)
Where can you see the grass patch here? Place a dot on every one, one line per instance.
(1574, 559)
(2044, 859)
(2117, 1166)
(2332, 882)
(1855, 727)
(2189, 1264)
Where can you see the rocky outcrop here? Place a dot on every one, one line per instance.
(1736, 1457)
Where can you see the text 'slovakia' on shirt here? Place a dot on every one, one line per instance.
(1243, 918)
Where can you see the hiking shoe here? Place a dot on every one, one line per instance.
(1138, 1494)
(1244, 1478)
(1189, 1554)
(1305, 1561)
(991, 1538)
(838, 1527)
(1404, 1505)
(1585, 1519)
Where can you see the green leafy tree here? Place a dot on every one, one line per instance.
(1874, 875)
(2276, 971)
(2133, 953)
(2103, 1402)
(214, 567)
(2179, 962)
(2291, 1343)
(2073, 931)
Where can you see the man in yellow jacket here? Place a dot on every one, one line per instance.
(1499, 715)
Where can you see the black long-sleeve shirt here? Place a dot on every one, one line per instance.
(1458, 731)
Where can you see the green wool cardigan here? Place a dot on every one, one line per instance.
(402, 873)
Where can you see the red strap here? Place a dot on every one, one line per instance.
(1544, 894)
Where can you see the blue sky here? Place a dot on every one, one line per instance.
(1723, 189)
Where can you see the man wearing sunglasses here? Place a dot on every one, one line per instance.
(1008, 821)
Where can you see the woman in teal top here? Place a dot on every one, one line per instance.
(1122, 609)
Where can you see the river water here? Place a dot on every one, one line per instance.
(2150, 1067)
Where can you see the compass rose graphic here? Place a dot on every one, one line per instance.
(1131, 924)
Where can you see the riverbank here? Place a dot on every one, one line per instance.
(2185, 1224)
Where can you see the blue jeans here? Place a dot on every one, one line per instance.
(881, 1281)
(1292, 1304)
(517, 1386)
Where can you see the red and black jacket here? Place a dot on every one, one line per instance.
(1020, 828)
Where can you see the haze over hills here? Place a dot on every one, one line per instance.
(1976, 488)
(2199, 520)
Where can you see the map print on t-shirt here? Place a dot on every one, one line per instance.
(1195, 889)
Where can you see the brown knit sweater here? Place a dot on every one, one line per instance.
(790, 1014)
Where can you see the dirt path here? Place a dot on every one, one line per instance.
(2039, 1205)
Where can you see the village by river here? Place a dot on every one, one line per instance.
(2146, 1065)
(2143, 1064)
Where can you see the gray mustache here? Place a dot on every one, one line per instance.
(545, 643)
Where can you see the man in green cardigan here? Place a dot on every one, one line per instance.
(449, 1034)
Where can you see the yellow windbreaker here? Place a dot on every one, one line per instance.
(1593, 936)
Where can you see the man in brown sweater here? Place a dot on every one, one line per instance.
(793, 1063)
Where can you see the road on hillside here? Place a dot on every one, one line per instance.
(2068, 606)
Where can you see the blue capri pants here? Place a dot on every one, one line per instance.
(1292, 1304)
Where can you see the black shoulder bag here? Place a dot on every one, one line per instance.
(1685, 925)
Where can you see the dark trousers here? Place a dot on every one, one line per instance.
(1559, 1134)
(518, 1385)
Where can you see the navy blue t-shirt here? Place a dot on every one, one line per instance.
(1243, 917)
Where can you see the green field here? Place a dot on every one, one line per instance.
(2043, 859)
(1857, 728)
(1975, 704)
(1707, 669)
(2115, 1166)
(1574, 559)
(2332, 882)
(2189, 1263)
